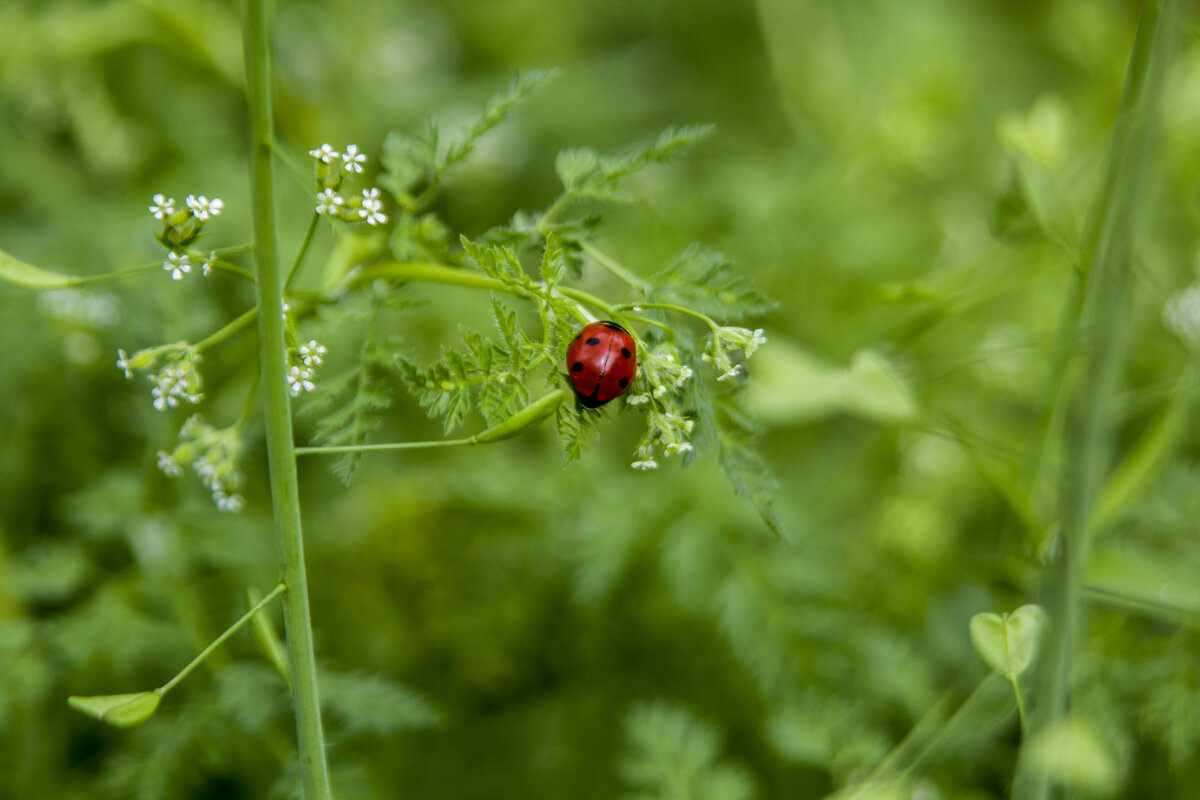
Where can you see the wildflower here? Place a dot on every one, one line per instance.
(312, 353)
(168, 464)
(373, 207)
(645, 464)
(328, 202)
(325, 154)
(163, 206)
(685, 372)
(638, 399)
(203, 208)
(206, 265)
(659, 391)
(300, 380)
(732, 372)
(231, 503)
(756, 340)
(677, 447)
(177, 265)
(352, 159)
(124, 364)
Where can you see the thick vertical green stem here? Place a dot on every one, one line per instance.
(1107, 252)
(285, 499)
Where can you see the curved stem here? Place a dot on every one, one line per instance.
(707, 320)
(230, 329)
(233, 269)
(281, 458)
(308, 234)
(613, 266)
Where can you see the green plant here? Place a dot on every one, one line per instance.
(687, 384)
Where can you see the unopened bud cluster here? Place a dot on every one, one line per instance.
(332, 170)
(723, 341)
(214, 454)
(177, 382)
(181, 228)
(657, 391)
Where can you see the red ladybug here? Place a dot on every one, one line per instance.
(602, 362)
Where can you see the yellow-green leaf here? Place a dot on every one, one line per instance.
(1071, 752)
(118, 710)
(18, 273)
(1008, 642)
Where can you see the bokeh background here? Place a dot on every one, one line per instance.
(490, 623)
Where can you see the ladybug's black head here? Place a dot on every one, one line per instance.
(610, 324)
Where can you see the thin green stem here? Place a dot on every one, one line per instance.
(308, 235)
(707, 320)
(117, 275)
(281, 457)
(236, 249)
(230, 631)
(360, 448)
(233, 269)
(289, 161)
(613, 266)
(229, 330)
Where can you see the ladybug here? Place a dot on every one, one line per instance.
(602, 362)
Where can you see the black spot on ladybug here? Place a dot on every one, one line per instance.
(594, 340)
(624, 382)
(625, 352)
(577, 366)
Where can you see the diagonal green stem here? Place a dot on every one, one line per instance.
(285, 499)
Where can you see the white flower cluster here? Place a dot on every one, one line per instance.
(1181, 316)
(178, 381)
(661, 374)
(214, 455)
(332, 169)
(724, 340)
(181, 228)
(301, 375)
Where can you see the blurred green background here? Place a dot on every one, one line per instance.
(495, 626)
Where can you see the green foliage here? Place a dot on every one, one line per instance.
(673, 755)
(706, 281)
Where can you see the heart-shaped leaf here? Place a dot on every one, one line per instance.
(1008, 642)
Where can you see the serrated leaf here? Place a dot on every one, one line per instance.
(553, 261)
(704, 280)
(408, 160)
(1008, 643)
(371, 703)
(118, 710)
(575, 165)
(576, 429)
(497, 110)
(672, 753)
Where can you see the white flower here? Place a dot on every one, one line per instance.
(206, 266)
(645, 464)
(638, 399)
(325, 153)
(659, 391)
(373, 207)
(353, 160)
(124, 364)
(232, 502)
(163, 206)
(684, 373)
(756, 339)
(168, 464)
(732, 372)
(300, 380)
(203, 208)
(177, 265)
(312, 353)
(681, 447)
(328, 202)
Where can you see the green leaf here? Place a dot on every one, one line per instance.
(371, 703)
(576, 429)
(1071, 753)
(118, 710)
(1008, 643)
(553, 262)
(704, 280)
(670, 753)
(408, 160)
(27, 276)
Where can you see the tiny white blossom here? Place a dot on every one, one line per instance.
(163, 399)
(659, 391)
(645, 464)
(756, 339)
(638, 399)
(163, 206)
(325, 153)
(177, 265)
(124, 364)
(373, 207)
(328, 202)
(300, 380)
(206, 265)
(232, 502)
(168, 464)
(353, 160)
(732, 372)
(681, 447)
(312, 353)
(684, 374)
(203, 208)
